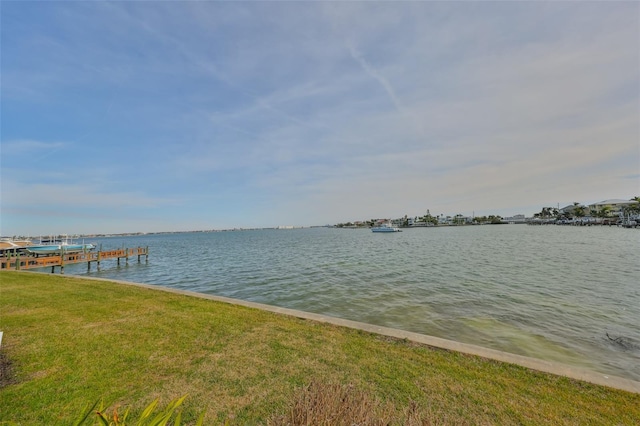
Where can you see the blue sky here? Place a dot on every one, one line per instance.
(169, 116)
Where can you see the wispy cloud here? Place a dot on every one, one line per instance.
(306, 111)
(69, 196)
(31, 147)
(359, 57)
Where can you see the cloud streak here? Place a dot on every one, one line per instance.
(376, 75)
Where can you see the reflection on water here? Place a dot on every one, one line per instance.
(549, 292)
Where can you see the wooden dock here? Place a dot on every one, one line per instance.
(30, 261)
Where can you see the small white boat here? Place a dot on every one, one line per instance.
(385, 227)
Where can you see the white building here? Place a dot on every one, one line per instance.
(615, 206)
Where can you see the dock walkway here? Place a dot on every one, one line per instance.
(31, 261)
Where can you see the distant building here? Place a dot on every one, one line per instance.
(445, 220)
(615, 206)
(518, 218)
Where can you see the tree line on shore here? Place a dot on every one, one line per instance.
(425, 220)
(577, 211)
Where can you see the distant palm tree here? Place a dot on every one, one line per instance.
(548, 212)
(604, 212)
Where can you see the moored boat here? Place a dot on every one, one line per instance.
(58, 246)
(385, 227)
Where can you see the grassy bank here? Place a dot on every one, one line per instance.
(68, 342)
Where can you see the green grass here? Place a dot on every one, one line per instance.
(69, 342)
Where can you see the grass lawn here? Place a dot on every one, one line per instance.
(69, 342)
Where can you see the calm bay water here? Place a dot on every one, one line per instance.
(548, 292)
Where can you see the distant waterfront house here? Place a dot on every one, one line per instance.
(380, 222)
(397, 222)
(615, 207)
(518, 218)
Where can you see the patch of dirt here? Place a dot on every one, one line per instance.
(7, 376)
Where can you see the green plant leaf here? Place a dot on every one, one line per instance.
(103, 418)
(86, 415)
(147, 411)
(178, 420)
(164, 416)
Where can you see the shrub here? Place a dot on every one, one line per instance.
(147, 418)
